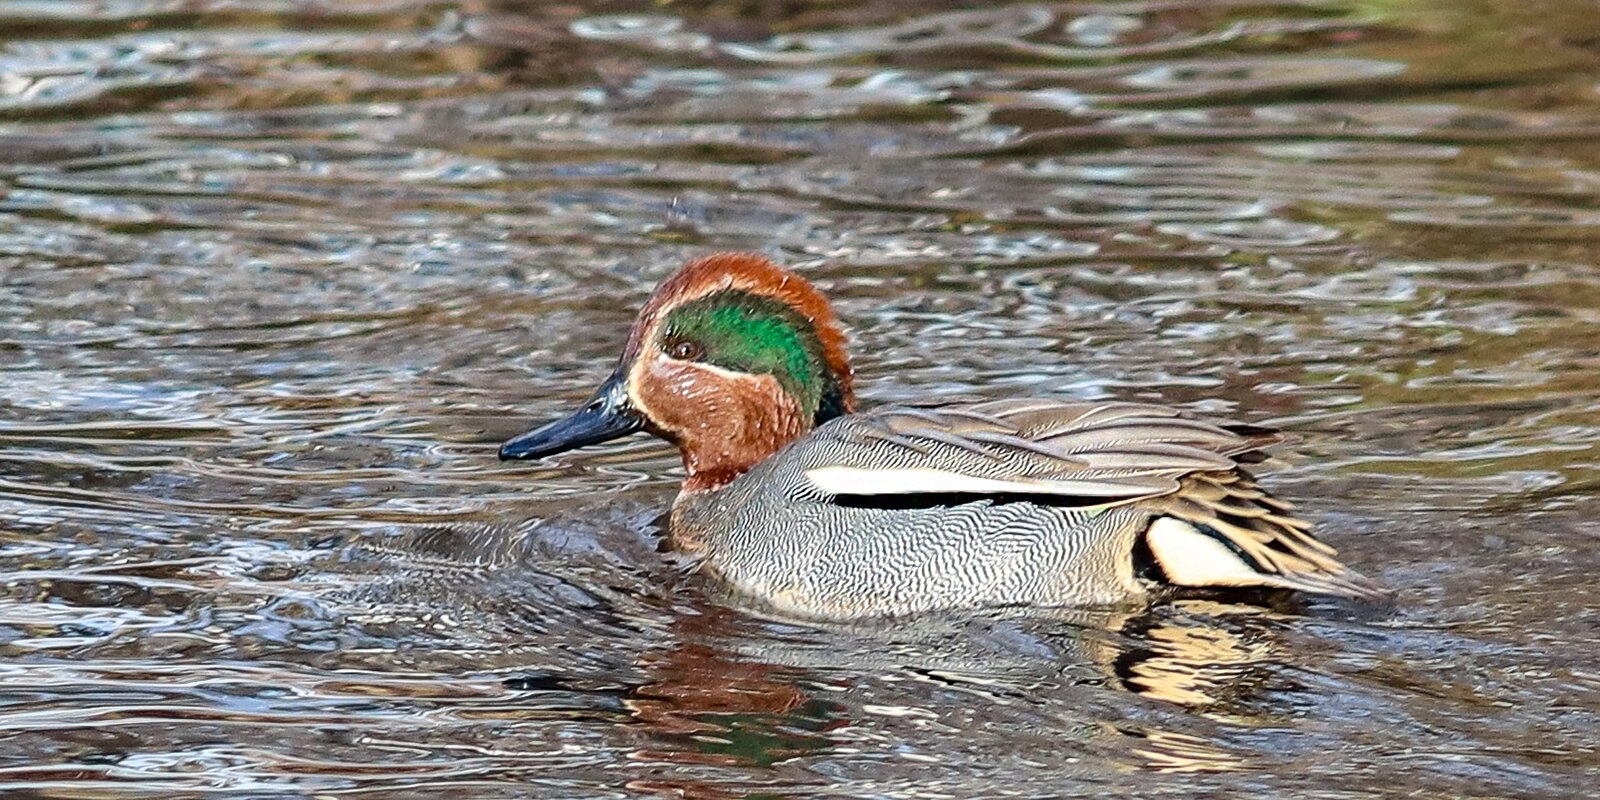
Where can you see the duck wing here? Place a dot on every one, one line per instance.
(1115, 451)
(1211, 524)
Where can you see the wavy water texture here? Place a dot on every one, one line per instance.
(275, 278)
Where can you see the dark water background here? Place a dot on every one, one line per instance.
(277, 275)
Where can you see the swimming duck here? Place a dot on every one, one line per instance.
(803, 503)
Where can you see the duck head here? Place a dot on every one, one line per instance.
(730, 359)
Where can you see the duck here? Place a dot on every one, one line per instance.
(805, 505)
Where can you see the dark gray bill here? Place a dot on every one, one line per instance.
(608, 415)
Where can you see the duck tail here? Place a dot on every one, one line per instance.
(1220, 530)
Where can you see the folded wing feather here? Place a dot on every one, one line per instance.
(1116, 450)
(1229, 532)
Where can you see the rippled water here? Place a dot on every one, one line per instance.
(278, 275)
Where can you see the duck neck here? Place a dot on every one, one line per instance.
(727, 445)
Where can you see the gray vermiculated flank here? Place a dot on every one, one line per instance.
(773, 534)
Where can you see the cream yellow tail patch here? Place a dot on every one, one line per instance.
(1189, 557)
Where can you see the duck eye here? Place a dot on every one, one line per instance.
(685, 351)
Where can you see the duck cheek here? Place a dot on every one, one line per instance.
(680, 399)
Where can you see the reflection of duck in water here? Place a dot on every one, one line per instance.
(818, 511)
(735, 691)
(1195, 653)
(707, 688)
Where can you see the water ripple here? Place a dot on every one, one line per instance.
(278, 276)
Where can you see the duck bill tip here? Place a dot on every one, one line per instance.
(606, 416)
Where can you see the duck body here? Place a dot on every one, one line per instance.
(1021, 502)
(774, 535)
(812, 509)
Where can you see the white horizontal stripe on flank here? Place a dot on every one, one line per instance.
(857, 480)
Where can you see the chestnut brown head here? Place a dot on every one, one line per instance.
(730, 359)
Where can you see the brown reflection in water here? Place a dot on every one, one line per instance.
(708, 708)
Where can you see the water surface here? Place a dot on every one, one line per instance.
(277, 277)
